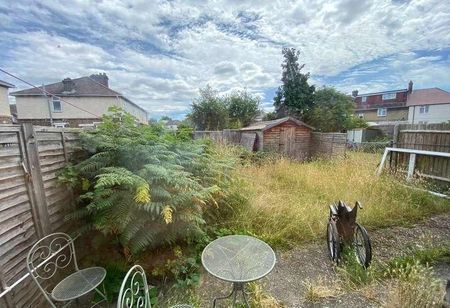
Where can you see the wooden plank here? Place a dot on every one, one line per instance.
(8, 301)
(40, 203)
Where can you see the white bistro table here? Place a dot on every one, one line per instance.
(238, 259)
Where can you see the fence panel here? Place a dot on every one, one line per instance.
(328, 144)
(429, 137)
(32, 202)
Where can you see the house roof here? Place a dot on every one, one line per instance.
(382, 92)
(431, 96)
(264, 125)
(173, 122)
(83, 86)
(6, 84)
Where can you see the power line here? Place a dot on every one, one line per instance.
(48, 93)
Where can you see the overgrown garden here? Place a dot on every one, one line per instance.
(157, 198)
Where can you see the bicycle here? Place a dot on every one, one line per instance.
(342, 229)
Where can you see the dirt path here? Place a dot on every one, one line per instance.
(286, 283)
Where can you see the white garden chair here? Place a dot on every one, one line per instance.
(134, 290)
(53, 254)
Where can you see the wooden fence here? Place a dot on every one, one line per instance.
(429, 137)
(230, 136)
(32, 202)
(328, 144)
(320, 144)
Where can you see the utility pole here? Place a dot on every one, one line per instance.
(48, 105)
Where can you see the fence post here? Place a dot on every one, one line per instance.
(396, 135)
(37, 184)
(332, 146)
(411, 166)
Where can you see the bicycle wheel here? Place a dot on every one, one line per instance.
(362, 246)
(333, 242)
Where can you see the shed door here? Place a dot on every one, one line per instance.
(287, 140)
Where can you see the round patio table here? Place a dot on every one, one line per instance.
(238, 259)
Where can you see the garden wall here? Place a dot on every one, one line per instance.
(32, 202)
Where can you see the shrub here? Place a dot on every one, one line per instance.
(143, 187)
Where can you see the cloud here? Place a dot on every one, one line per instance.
(225, 69)
(159, 53)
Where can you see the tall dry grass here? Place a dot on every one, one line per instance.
(288, 201)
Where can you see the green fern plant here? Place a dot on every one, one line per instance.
(144, 188)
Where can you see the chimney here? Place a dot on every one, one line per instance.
(100, 78)
(410, 87)
(355, 93)
(68, 85)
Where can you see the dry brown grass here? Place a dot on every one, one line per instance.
(260, 298)
(289, 200)
(317, 290)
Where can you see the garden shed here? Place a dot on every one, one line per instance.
(287, 135)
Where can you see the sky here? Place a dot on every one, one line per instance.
(159, 53)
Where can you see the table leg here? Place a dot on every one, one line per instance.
(223, 297)
(237, 287)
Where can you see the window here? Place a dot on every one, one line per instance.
(381, 112)
(363, 99)
(361, 115)
(388, 96)
(56, 104)
(60, 124)
(423, 109)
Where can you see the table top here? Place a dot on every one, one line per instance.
(238, 258)
(78, 283)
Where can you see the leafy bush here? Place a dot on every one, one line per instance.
(183, 268)
(144, 187)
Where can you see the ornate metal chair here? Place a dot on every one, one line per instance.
(55, 253)
(134, 290)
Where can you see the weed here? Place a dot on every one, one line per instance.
(414, 286)
(353, 276)
(184, 269)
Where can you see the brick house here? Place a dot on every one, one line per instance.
(383, 107)
(73, 103)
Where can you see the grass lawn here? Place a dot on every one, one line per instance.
(288, 201)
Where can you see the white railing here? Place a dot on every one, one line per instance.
(412, 163)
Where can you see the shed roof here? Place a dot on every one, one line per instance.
(264, 125)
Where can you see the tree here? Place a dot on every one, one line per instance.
(165, 118)
(242, 108)
(333, 111)
(270, 116)
(295, 96)
(209, 111)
